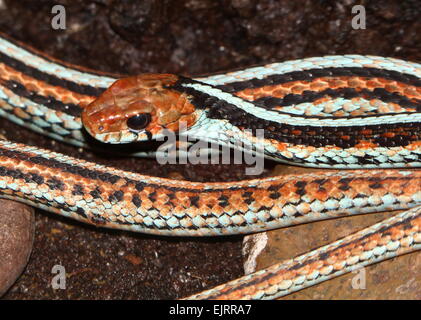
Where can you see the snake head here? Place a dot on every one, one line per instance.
(138, 109)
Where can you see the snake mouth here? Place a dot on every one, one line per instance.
(122, 137)
(96, 130)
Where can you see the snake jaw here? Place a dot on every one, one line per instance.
(106, 118)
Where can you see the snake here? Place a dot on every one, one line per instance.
(360, 115)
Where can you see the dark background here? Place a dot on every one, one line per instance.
(188, 37)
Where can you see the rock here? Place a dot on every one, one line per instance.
(17, 226)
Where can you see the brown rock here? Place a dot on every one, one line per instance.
(16, 237)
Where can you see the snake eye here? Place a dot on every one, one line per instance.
(139, 121)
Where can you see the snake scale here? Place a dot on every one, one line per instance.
(335, 112)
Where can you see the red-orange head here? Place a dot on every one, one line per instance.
(138, 108)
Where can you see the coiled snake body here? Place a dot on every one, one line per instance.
(350, 112)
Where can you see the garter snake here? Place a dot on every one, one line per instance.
(331, 112)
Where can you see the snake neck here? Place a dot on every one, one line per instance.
(314, 140)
